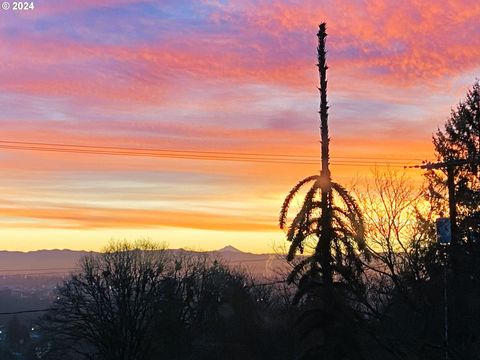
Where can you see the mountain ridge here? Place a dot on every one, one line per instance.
(64, 261)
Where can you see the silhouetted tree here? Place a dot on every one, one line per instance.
(405, 278)
(403, 302)
(460, 140)
(225, 315)
(398, 230)
(141, 302)
(331, 223)
(106, 310)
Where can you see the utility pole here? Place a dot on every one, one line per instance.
(445, 303)
(450, 166)
(452, 203)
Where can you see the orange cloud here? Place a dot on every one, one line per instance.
(94, 218)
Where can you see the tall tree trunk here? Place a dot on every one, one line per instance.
(325, 228)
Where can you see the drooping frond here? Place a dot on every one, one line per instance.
(299, 268)
(352, 212)
(286, 203)
(304, 213)
(347, 198)
(308, 280)
(341, 227)
(346, 216)
(308, 228)
(355, 224)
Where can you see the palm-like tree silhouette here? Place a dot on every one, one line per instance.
(337, 230)
(329, 217)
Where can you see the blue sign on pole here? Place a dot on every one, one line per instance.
(444, 231)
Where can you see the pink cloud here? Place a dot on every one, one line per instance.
(408, 43)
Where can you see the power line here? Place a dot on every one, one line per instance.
(33, 269)
(159, 155)
(59, 273)
(286, 159)
(197, 155)
(27, 311)
(136, 149)
(151, 149)
(445, 164)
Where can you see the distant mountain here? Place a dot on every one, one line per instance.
(61, 262)
(229, 248)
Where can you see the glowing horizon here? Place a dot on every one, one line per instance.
(228, 76)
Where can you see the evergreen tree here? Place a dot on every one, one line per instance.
(457, 146)
(460, 140)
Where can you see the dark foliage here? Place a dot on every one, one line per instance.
(137, 302)
(460, 139)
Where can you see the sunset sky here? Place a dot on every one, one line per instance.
(212, 76)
